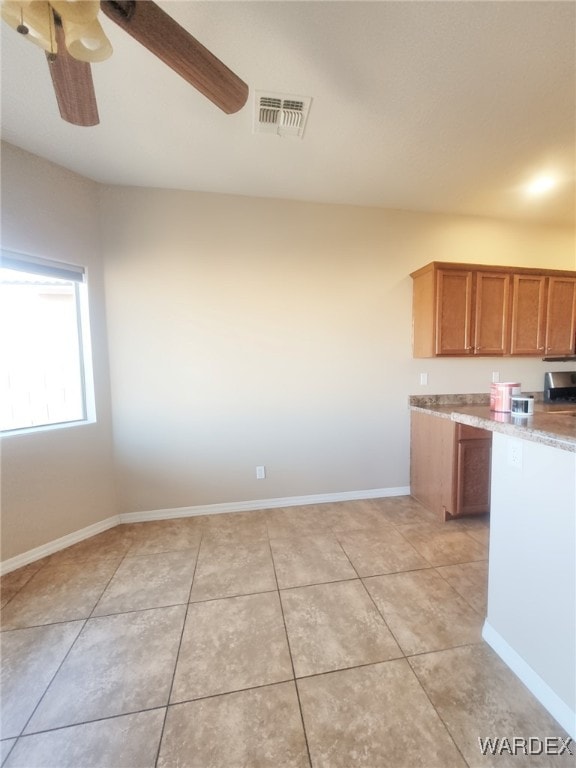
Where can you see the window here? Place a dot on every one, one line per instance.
(45, 346)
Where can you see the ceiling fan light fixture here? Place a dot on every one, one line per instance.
(83, 33)
(71, 35)
(76, 11)
(86, 42)
(35, 17)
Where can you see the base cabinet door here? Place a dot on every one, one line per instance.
(449, 466)
(473, 477)
(432, 461)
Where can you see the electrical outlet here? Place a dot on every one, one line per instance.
(260, 473)
(423, 379)
(495, 377)
(515, 454)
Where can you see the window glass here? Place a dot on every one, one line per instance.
(42, 367)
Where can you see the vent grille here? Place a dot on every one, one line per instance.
(279, 114)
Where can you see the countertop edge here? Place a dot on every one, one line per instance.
(534, 432)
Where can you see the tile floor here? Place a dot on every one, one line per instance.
(332, 635)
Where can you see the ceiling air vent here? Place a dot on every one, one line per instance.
(280, 114)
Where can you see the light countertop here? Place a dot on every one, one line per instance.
(553, 425)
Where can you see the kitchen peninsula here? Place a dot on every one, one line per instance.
(531, 617)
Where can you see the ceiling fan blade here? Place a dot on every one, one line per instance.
(164, 37)
(72, 80)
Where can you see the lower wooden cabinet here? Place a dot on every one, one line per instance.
(449, 466)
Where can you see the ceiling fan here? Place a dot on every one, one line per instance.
(72, 37)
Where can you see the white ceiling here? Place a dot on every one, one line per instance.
(437, 106)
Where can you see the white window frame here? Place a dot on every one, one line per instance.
(78, 275)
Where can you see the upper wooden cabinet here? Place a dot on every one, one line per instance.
(491, 313)
(458, 310)
(468, 309)
(453, 309)
(528, 314)
(561, 316)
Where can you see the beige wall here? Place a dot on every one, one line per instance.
(247, 332)
(56, 482)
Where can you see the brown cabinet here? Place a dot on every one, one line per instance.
(528, 314)
(460, 312)
(491, 313)
(561, 316)
(472, 474)
(453, 311)
(449, 466)
(467, 310)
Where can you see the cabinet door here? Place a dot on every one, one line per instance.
(561, 316)
(491, 312)
(473, 477)
(454, 312)
(528, 315)
(432, 456)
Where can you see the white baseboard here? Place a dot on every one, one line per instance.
(550, 700)
(249, 506)
(57, 544)
(203, 509)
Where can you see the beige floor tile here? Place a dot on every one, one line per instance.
(334, 626)
(481, 535)
(477, 696)
(11, 583)
(6, 595)
(149, 581)
(310, 560)
(58, 592)
(259, 728)
(5, 747)
(29, 659)
(165, 536)
(236, 526)
(229, 568)
(355, 516)
(108, 545)
(376, 716)
(470, 580)
(377, 552)
(403, 510)
(231, 644)
(308, 520)
(476, 526)
(119, 664)
(444, 545)
(423, 611)
(103, 684)
(130, 741)
(471, 522)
